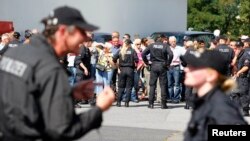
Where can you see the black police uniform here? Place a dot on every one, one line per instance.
(36, 99)
(205, 113)
(243, 82)
(188, 90)
(126, 76)
(161, 57)
(227, 53)
(84, 57)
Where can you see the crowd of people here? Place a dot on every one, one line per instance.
(131, 73)
(107, 63)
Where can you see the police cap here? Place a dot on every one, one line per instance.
(68, 16)
(206, 58)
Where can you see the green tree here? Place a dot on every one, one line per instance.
(232, 17)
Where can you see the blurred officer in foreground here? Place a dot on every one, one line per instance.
(242, 64)
(204, 73)
(211, 105)
(35, 97)
(161, 56)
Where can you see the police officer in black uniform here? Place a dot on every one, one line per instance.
(82, 63)
(204, 72)
(227, 52)
(127, 60)
(161, 56)
(35, 96)
(242, 61)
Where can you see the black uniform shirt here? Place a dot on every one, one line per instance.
(213, 108)
(35, 97)
(159, 52)
(130, 58)
(84, 57)
(243, 60)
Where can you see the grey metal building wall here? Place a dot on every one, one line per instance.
(126, 16)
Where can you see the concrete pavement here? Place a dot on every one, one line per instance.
(138, 123)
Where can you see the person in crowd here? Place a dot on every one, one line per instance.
(71, 68)
(161, 56)
(27, 36)
(115, 48)
(5, 39)
(138, 70)
(241, 62)
(35, 96)
(232, 45)
(173, 74)
(227, 52)
(82, 62)
(247, 43)
(104, 68)
(83, 67)
(213, 44)
(127, 59)
(126, 36)
(15, 40)
(145, 71)
(204, 72)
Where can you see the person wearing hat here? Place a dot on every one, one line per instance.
(127, 60)
(15, 40)
(227, 52)
(27, 35)
(241, 62)
(204, 73)
(161, 57)
(36, 100)
(247, 44)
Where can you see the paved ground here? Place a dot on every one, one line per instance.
(138, 123)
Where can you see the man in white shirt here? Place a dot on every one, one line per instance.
(174, 71)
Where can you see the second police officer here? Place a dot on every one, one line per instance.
(242, 64)
(227, 53)
(127, 59)
(161, 56)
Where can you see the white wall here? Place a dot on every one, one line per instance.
(125, 16)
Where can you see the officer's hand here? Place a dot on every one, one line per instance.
(83, 90)
(105, 99)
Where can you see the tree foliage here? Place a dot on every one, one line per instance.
(232, 17)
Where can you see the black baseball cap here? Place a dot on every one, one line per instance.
(206, 58)
(68, 16)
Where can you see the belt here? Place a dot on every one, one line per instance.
(173, 66)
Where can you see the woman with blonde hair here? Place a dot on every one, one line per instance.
(210, 105)
(127, 60)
